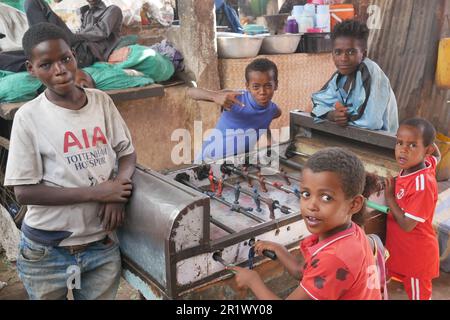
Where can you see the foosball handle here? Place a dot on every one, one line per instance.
(285, 209)
(270, 254)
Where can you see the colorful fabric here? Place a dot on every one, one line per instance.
(371, 102)
(149, 62)
(110, 77)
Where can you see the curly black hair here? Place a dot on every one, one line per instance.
(351, 29)
(261, 65)
(345, 164)
(39, 33)
(428, 130)
(350, 169)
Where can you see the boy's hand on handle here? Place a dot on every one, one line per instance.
(260, 246)
(118, 190)
(112, 215)
(244, 277)
(227, 98)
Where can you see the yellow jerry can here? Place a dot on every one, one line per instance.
(443, 64)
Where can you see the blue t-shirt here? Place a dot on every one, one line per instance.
(238, 129)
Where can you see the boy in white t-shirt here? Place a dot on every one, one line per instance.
(64, 147)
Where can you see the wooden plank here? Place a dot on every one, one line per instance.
(377, 138)
(154, 90)
(7, 110)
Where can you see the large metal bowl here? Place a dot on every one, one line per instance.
(280, 44)
(238, 47)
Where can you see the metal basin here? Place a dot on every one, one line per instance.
(279, 44)
(238, 47)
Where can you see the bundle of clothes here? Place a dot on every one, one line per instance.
(129, 64)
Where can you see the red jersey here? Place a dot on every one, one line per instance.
(415, 254)
(341, 267)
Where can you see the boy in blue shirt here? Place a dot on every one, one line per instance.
(359, 93)
(247, 114)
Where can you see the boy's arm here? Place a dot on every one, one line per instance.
(251, 279)
(278, 113)
(127, 166)
(40, 194)
(222, 98)
(283, 255)
(407, 224)
(246, 278)
(112, 214)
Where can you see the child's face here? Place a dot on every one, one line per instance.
(261, 86)
(54, 64)
(410, 150)
(348, 53)
(324, 205)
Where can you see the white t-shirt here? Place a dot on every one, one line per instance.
(13, 24)
(66, 148)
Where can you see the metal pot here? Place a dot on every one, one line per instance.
(280, 44)
(238, 47)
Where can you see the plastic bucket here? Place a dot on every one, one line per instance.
(443, 168)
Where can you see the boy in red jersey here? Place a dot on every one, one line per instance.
(339, 263)
(412, 197)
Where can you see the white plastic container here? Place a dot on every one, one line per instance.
(297, 10)
(309, 9)
(323, 18)
(305, 22)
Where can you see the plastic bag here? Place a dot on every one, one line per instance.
(149, 62)
(68, 11)
(18, 87)
(159, 12)
(13, 24)
(443, 167)
(130, 10)
(111, 77)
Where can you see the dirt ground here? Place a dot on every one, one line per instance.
(14, 289)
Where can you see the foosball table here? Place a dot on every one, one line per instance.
(185, 226)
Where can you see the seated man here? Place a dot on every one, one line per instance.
(99, 33)
(359, 93)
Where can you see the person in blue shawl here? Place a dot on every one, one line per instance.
(226, 15)
(359, 93)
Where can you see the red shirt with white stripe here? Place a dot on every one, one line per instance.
(415, 254)
(341, 267)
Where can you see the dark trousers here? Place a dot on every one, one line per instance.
(13, 61)
(38, 11)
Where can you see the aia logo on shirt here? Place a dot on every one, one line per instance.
(80, 142)
(400, 194)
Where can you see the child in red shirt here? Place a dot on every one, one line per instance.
(339, 263)
(412, 197)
